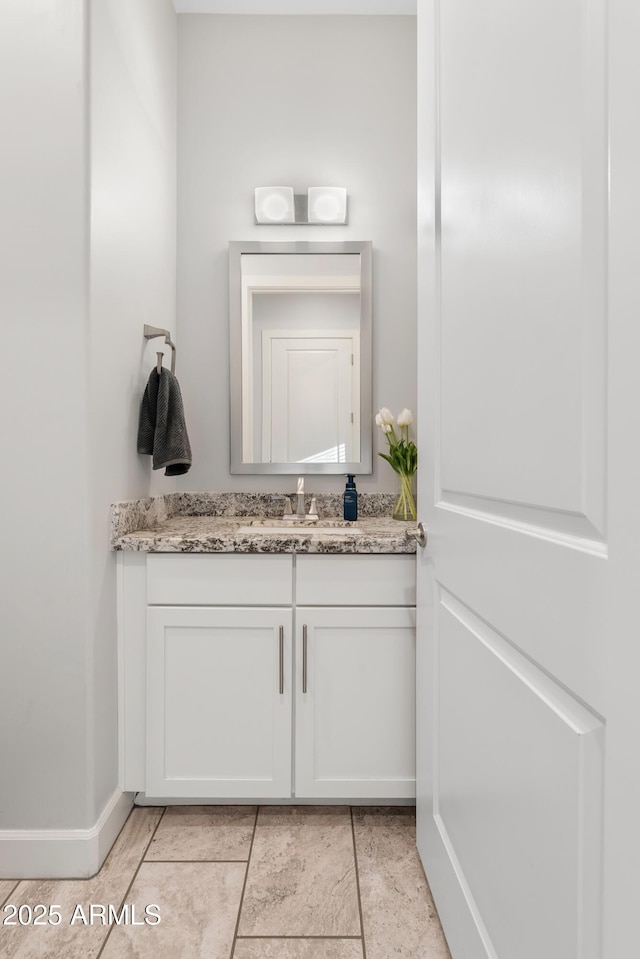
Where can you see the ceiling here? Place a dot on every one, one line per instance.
(405, 7)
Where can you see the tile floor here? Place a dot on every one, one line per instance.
(242, 882)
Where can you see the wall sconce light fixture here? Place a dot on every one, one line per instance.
(274, 204)
(321, 205)
(327, 204)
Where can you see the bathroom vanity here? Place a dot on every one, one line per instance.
(264, 666)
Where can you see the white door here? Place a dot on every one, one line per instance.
(355, 702)
(218, 702)
(527, 662)
(310, 385)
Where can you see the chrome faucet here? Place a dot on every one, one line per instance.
(300, 498)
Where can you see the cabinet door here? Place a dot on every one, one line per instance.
(355, 723)
(218, 702)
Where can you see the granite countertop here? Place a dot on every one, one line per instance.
(211, 523)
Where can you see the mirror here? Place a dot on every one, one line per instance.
(300, 335)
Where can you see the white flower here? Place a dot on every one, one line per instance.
(405, 418)
(386, 417)
(379, 420)
(386, 428)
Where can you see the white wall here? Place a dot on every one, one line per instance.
(43, 414)
(133, 282)
(301, 101)
(79, 275)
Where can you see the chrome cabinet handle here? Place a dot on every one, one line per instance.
(304, 659)
(418, 533)
(281, 643)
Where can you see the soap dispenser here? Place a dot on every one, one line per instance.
(350, 499)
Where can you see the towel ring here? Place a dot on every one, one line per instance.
(152, 331)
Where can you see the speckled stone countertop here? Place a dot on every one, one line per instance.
(211, 523)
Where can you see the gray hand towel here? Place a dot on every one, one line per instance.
(162, 431)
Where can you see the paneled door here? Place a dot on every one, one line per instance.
(310, 389)
(528, 720)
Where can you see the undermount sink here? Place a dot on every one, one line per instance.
(301, 527)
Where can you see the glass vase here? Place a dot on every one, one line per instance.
(405, 508)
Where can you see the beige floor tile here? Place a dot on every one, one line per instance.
(203, 833)
(198, 904)
(301, 879)
(398, 914)
(298, 949)
(79, 941)
(6, 888)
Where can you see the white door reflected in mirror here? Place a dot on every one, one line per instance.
(310, 390)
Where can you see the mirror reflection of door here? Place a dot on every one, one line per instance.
(301, 358)
(310, 387)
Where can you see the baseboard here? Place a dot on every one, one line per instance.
(63, 853)
(143, 800)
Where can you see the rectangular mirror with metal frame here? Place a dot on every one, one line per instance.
(300, 338)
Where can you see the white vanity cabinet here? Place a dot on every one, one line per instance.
(218, 708)
(355, 677)
(215, 650)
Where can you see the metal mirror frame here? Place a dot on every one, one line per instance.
(236, 250)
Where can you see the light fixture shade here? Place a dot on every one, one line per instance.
(327, 204)
(274, 204)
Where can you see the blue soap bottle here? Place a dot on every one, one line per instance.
(350, 499)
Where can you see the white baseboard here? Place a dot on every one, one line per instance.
(143, 800)
(63, 853)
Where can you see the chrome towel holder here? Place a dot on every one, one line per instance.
(152, 331)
